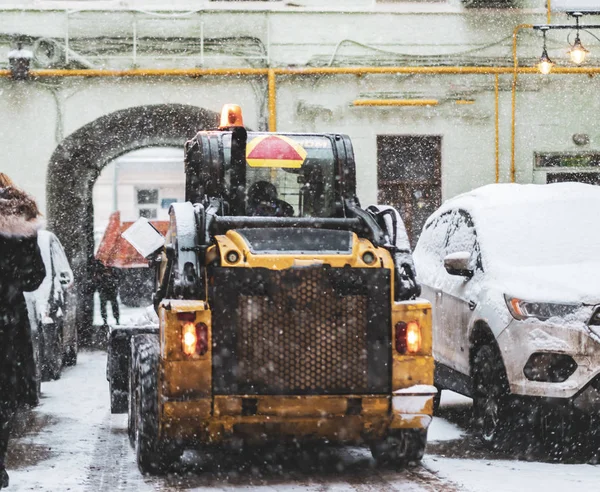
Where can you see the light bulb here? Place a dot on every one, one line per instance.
(545, 65)
(578, 52)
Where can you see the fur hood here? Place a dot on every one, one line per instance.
(19, 216)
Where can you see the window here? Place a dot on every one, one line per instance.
(463, 237)
(147, 202)
(568, 160)
(148, 213)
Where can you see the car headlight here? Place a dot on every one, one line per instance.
(521, 309)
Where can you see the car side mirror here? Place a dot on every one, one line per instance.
(459, 264)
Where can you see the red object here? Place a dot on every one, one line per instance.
(202, 338)
(401, 337)
(114, 251)
(274, 147)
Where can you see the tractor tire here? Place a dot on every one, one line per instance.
(118, 399)
(400, 447)
(131, 395)
(491, 397)
(153, 455)
(437, 400)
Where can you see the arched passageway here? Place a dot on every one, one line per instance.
(77, 162)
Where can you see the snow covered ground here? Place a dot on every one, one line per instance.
(128, 315)
(71, 442)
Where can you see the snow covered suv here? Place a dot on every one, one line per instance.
(513, 274)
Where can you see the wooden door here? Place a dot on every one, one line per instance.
(409, 177)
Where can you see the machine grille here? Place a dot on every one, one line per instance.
(305, 331)
(303, 338)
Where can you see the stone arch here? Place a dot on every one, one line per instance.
(77, 162)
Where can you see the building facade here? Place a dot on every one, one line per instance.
(425, 89)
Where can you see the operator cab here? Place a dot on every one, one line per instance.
(270, 174)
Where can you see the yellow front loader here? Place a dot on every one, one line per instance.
(286, 311)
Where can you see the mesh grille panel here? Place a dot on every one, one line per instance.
(303, 338)
(300, 331)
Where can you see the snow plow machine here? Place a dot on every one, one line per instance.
(287, 313)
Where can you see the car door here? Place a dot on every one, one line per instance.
(63, 283)
(458, 299)
(430, 270)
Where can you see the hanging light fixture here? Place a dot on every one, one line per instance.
(577, 51)
(545, 64)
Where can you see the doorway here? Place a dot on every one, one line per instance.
(409, 177)
(78, 161)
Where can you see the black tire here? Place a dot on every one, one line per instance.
(70, 355)
(118, 399)
(563, 436)
(491, 397)
(400, 447)
(154, 455)
(52, 352)
(437, 399)
(131, 394)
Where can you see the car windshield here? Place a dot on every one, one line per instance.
(554, 233)
(288, 175)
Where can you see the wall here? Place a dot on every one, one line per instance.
(549, 110)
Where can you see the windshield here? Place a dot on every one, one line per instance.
(288, 175)
(544, 233)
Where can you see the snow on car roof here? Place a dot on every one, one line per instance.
(497, 195)
(530, 225)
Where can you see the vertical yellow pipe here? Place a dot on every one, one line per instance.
(272, 101)
(514, 99)
(497, 128)
(549, 12)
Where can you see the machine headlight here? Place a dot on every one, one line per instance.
(521, 309)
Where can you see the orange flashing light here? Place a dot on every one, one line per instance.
(413, 337)
(189, 339)
(231, 115)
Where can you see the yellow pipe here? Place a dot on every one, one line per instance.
(272, 101)
(257, 72)
(151, 72)
(466, 101)
(549, 12)
(390, 70)
(497, 136)
(514, 99)
(235, 72)
(395, 102)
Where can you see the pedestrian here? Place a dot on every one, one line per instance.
(21, 269)
(106, 280)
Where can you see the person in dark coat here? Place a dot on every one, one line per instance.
(106, 281)
(21, 269)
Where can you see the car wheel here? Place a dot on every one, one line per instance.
(562, 436)
(70, 355)
(491, 397)
(52, 353)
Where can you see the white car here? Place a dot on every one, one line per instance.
(513, 274)
(51, 310)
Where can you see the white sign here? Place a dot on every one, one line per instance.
(576, 5)
(144, 237)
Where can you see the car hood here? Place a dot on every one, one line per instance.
(571, 283)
